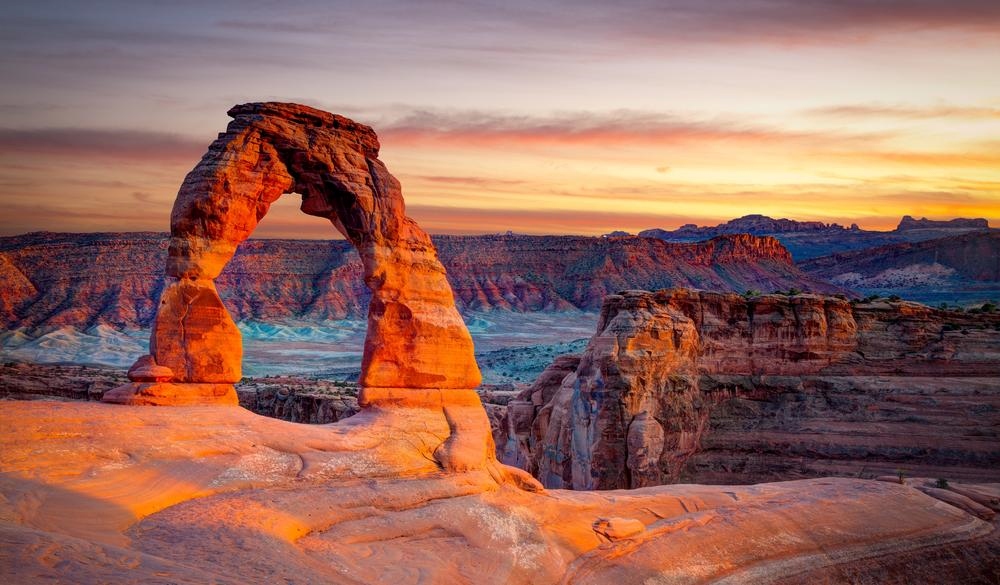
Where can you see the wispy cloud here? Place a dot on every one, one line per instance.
(908, 112)
(982, 157)
(87, 143)
(481, 182)
(481, 129)
(542, 27)
(458, 220)
(483, 26)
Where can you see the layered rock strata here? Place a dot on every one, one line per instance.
(417, 347)
(83, 280)
(297, 399)
(697, 386)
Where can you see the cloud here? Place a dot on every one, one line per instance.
(771, 21)
(982, 158)
(548, 27)
(482, 129)
(459, 220)
(443, 25)
(316, 26)
(69, 216)
(479, 182)
(908, 112)
(126, 145)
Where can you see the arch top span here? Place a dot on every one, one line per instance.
(417, 349)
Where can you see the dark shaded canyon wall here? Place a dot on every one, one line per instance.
(974, 256)
(682, 385)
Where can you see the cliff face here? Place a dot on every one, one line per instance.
(964, 267)
(909, 223)
(17, 290)
(116, 279)
(701, 386)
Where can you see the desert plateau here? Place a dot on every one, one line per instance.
(687, 293)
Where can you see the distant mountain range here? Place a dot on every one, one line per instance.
(812, 239)
(83, 280)
(957, 268)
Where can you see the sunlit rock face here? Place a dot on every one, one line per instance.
(95, 493)
(682, 385)
(416, 339)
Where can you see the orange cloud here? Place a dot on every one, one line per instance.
(957, 160)
(908, 112)
(475, 172)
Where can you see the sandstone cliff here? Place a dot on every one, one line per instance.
(909, 223)
(50, 279)
(714, 387)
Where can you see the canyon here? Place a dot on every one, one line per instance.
(85, 280)
(167, 480)
(694, 386)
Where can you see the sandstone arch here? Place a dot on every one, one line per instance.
(417, 350)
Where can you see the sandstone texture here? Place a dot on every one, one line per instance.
(17, 290)
(416, 339)
(709, 387)
(146, 370)
(211, 494)
(87, 280)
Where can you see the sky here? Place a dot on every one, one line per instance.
(578, 117)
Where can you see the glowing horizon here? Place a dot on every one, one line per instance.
(535, 119)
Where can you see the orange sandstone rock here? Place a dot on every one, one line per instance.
(959, 501)
(171, 394)
(417, 351)
(618, 528)
(680, 379)
(221, 495)
(194, 335)
(146, 369)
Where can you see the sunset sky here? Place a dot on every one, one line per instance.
(538, 117)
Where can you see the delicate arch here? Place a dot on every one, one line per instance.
(416, 339)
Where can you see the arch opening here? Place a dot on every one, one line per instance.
(286, 220)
